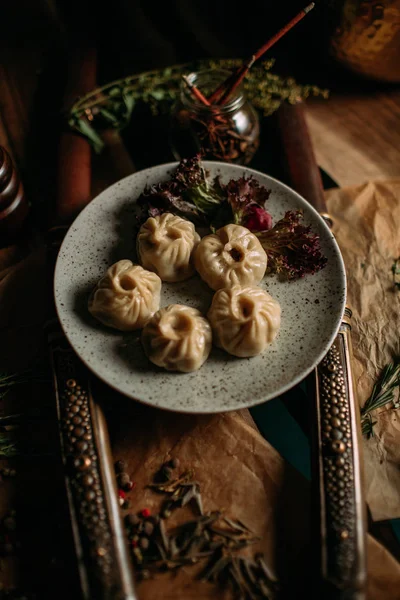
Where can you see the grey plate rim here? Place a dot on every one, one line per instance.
(285, 388)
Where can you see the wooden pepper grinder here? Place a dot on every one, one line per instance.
(14, 207)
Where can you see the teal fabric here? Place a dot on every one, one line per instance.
(282, 431)
(395, 523)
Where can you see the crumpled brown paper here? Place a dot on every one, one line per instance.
(238, 470)
(367, 228)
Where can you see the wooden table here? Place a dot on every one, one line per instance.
(356, 134)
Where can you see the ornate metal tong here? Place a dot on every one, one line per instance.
(339, 506)
(103, 560)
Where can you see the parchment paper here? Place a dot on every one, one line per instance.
(367, 228)
(240, 472)
(237, 469)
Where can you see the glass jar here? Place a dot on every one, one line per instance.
(228, 132)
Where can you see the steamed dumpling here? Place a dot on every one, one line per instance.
(126, 296)
(177, 338)
(244, 320)
(165, 244)
(231, 256)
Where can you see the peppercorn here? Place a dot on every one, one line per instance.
(148, 528)
(138, 555)
(144, 543)
(120, 466)
(129, 486)
(132, 520)
(122, 479)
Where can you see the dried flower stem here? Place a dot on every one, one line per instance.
(232, 83)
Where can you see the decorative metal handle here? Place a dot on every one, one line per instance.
(341, 508)
(103, 561)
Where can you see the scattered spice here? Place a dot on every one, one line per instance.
(174, 463)
(120, 466)
(124, 483)
(385, 391)
(123, 479)
(212, 541)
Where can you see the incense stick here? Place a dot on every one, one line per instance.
(196, 92)
(233, 81)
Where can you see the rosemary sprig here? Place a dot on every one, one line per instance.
(112, 105)
(8, 446)
(382, 394)
(9, 380)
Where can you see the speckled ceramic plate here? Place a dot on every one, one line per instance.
(312, 307)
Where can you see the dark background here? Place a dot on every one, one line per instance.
(136, 35)
(130, 37)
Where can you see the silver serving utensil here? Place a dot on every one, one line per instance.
(101, 549)
(339, 507)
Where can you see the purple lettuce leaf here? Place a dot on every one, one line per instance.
(292, 250)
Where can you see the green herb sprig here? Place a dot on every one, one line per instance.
(8, 445)
(9, 380)
(112, 105)
(383, 393)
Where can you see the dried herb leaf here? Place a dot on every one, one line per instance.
(265, 569)
(237, 525)
(212, 538)
(159, 89)
(213, 570)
